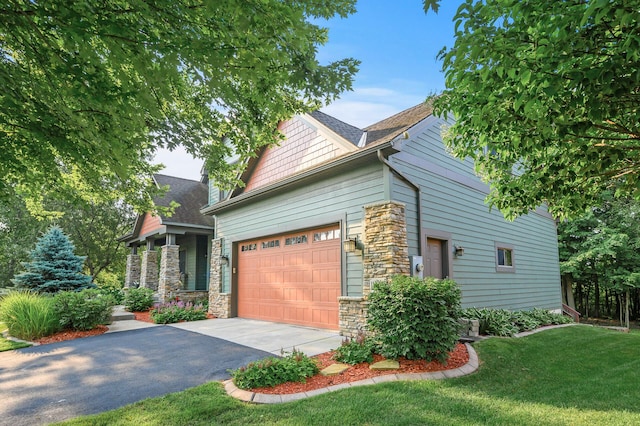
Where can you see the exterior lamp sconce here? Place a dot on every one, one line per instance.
(352, 245)
(458, 251)
(224, 260)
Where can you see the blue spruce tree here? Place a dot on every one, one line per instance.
(54, 266)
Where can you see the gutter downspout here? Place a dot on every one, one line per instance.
(418, 196)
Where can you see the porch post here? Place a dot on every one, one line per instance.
(132, 275)
(149, 268)
(169, 282)
(219, 302)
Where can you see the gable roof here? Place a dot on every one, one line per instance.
(347, 131)
(390, 128)
(192, 195)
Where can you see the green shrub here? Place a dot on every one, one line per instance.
(83, 310)
(28, 315)
(110, 284)
(138, 299)
(272, 371)
(502, 322)
(355, 351)
(414, 318)
(175, 311)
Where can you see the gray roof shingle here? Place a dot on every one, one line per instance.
(347, 131)
(192, 195)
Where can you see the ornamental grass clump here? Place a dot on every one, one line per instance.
(29, 315)
(176, 311)
(415, 318)
(272, 371)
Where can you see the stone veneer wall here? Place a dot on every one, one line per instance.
(192, 295)
(219, 303)
(133, 271)
(149, 270)
(386, 253)
(169, 282)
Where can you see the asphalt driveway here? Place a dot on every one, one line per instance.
(54, 382)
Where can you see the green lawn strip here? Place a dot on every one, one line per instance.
(8, 345)
(571, 376)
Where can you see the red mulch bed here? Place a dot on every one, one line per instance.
(457, 358)
(70, 335)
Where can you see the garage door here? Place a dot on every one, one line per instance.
(292, 278)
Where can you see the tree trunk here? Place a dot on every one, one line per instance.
(596, 311)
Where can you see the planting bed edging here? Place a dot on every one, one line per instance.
(262, 398)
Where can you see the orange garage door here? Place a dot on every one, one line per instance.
(292, 278)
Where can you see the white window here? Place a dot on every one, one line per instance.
(505, 259)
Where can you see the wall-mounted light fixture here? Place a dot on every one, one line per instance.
(352, 245)
(458, 251)
(224, 260)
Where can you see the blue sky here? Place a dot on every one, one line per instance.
(397, 44)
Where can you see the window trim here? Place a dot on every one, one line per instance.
(504, 246)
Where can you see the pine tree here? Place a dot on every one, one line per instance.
(54, 266)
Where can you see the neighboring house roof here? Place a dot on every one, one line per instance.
(347, 131)
(192, 195)
(391, 127)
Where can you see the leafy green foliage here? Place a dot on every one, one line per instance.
(550, 90)
(54, 266)
(138, 299)
(83, 310)
(599, 251)
(28, 315)
(356, 350)
(95, 88)
(175, 311)
(502, 322)
(416, 319)
(272, 371)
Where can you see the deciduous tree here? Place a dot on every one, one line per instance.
(545, 96)
(96, 87)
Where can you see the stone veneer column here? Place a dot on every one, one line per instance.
(386, 253)
(219, 302)
(169, 282)
(132, 274)
(149, 270)
(385, 242)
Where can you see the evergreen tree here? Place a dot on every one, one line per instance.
(54, 266)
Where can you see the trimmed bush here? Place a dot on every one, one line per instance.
(111, 284)
(272, 371)
(138, 299)
(505, 323)
(167, 313)
(28, 315)
(83, 310)
(414, 318)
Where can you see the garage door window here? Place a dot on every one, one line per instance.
(300, 239)
(249, 247)
(333, 234)
(270, 244)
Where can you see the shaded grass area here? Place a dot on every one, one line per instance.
(570, 376)
(8, 345)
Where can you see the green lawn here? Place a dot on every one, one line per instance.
(570, 376)
(7, 345)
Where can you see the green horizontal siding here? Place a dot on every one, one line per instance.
(450, 206)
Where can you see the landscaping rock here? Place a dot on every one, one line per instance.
(387, 364)
(334, 369)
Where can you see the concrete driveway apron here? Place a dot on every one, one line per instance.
(58, 381)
